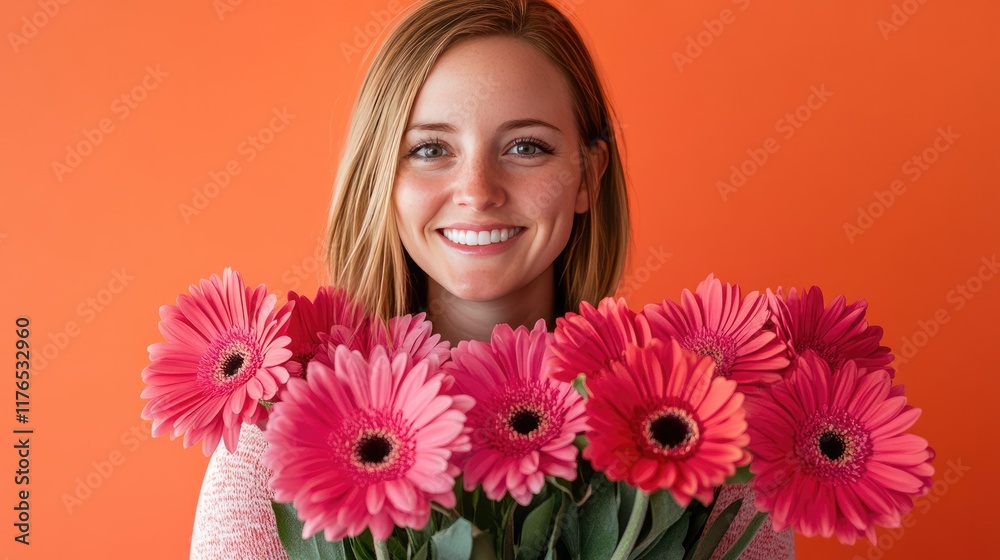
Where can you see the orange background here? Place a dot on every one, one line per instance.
(213, 78)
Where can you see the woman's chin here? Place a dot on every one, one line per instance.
(477, 294)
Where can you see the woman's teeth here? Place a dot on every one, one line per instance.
(469, 237)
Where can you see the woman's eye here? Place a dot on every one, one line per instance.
(526, 149)
(428, 151)
(529, 147)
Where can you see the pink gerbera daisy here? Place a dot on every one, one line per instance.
(224, 354)
(661, 420)
(331, 313)
(414, 336)
(837, 332)
(832, 455)
(590, 341)
(927, 477)
(524, 423)
(411, 335)
(713, 321)
(366, 444)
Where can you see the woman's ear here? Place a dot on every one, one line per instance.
(596, 162)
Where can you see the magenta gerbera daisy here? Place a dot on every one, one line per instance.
(660, 420)
(714, 321)
(224, 354)
(832, 456)
(410, 335)
(524, 423)
(414, 336)
(366, 444)
(588, 342)
(837, 332)
(332, 313)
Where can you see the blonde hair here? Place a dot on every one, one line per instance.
(365, 255)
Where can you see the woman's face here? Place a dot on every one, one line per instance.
(490, 176)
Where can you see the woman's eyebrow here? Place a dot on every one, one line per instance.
(525, 123)
(434, 127)
(504, 127)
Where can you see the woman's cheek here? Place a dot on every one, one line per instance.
(549, 194)
(415, 196)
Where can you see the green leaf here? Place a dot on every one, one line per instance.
(508, 534)
(445, 523)
(559, 520)
(741, 476)
(466, 501)
(363, 550)
(570, 530)
(417, 539)
(699, 519)
(599, 521)
(454, 543)
(671, 545)
(396, 548)
(423, 552)
(535, 530)
(666, 511)
(290, 534)
(710, 540)
(488, 517)
(748, 534)
(626, 499)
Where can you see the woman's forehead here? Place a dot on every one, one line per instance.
(492, 79)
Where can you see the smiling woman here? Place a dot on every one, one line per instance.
(478, 117)
(469, 185)
(481, 181)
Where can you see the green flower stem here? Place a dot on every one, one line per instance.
(451, 513)
(633, 527)
(381, 550)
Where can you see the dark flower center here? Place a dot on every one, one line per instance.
(669, 431)
(304, 359)
(524, 422)
(719, 346)
(229, 362)
(373, 449)
(231, 366)
(832, 445)
(828, 352)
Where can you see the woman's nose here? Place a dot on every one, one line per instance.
(478, 185)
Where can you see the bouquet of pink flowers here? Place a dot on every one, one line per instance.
(390, 443)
